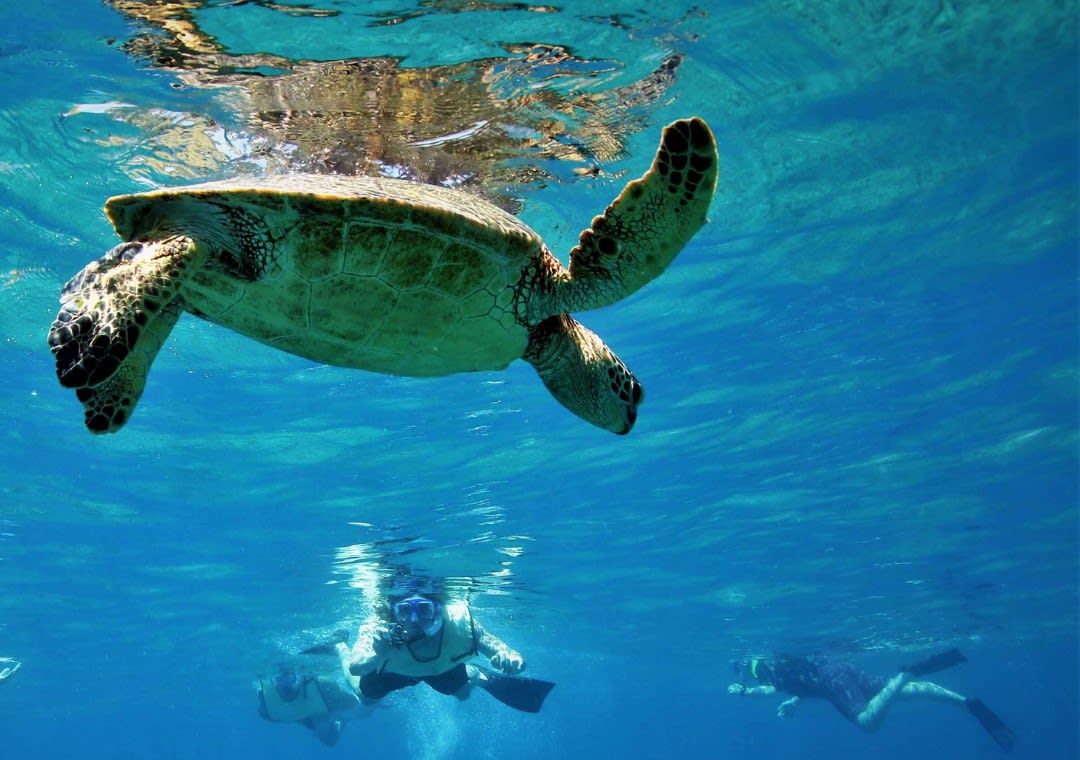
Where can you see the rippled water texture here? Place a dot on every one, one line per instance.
(859, 433)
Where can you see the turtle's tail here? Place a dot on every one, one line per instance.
(114, 317)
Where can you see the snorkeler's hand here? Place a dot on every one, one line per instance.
(787, 707)
(508, 661)
(382, 639)
(736, 688)
(388, 638)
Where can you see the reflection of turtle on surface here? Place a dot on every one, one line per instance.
(377, 274)
(521, 114)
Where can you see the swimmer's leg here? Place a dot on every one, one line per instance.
(327, 730)
(993, 725)
(874, 713)
(927, 690)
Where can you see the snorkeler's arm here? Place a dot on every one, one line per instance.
(787, 707)
(751, 691)
(369, 651)
(497, 651)
(345, 656)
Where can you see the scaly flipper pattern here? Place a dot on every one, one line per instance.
(114, 317)
(653, 218)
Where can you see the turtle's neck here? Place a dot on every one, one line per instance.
(542, 291)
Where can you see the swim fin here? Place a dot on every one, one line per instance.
(992, 723)
(526, 694)
(936, 663)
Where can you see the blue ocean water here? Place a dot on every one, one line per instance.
(860, 429)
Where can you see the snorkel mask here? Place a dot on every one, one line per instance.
(418, 615)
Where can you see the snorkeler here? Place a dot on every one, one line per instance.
(416, 635)
(8, 668)
(861, 697)
(322, 704)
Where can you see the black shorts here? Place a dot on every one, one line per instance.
(378, 685)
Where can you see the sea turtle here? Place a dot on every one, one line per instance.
(378, 274)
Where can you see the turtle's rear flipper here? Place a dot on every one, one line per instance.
(114, 317)
(643, 229)
(583, 374)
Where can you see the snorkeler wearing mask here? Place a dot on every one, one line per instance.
(320, 703)
(419, 637)
(861, 697)
(411, 637)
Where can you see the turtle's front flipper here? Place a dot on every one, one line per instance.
(643, 229)
(114, 317)
(108, 405)
(583, 374)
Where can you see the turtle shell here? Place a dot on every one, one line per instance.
(378, 274)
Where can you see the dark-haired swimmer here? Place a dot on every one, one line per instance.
(861, 697)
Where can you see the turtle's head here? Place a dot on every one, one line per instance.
(583, 374)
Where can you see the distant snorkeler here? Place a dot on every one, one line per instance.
(861, 697)
(320, 703)
(8, 668)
